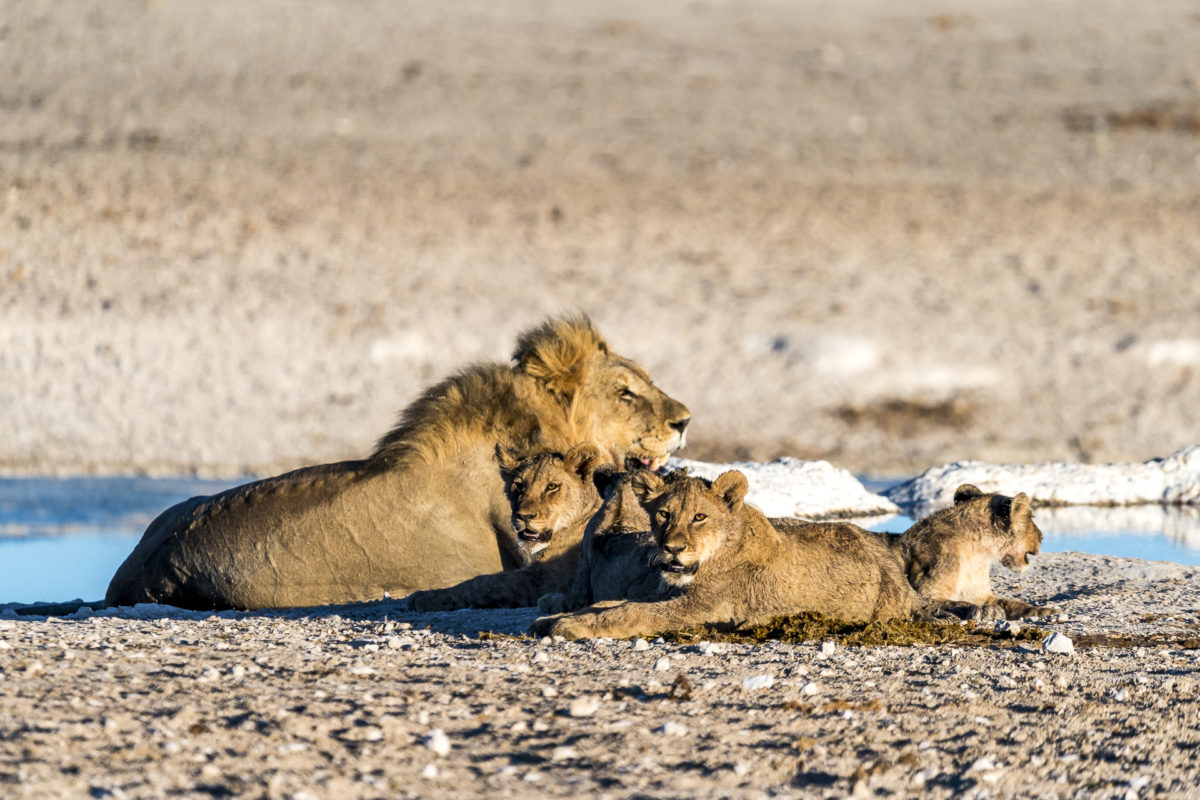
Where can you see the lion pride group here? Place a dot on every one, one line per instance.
(540, 482)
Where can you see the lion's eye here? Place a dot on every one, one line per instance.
(552, 487)
(517, 486)
(700, 518)
(627, 394)
(664, 515)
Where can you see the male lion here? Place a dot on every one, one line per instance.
(427, 508)
(735, 568)
(948, 556)
(553, 497)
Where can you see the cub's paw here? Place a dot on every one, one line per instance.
(552, 603)
(987, 613)
(433, 600)
(568, 626)
(542, 626)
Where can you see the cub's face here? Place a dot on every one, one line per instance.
(1013, 534)
(1027, 541)
(690, 519)
(549, 492)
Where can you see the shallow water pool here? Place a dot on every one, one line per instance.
(62, 538)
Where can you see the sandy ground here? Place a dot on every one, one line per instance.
(239, 237)
(348, 702)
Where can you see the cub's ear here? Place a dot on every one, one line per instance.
(507, 458)
(604, 477)
(1020, 512)
(582, 459)
(646, 485)
(966, 492)
(731, 487)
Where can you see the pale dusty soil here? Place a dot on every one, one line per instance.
(241, 236)
(342, 702)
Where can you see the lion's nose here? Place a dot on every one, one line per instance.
(681, 424)
(673, 549)
(525, 516)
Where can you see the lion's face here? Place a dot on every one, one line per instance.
(633, 420)
(1012, 528)
(549, 492)
(1027, 536)
(691, 520)
(607, 399)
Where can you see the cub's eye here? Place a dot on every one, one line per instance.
(552, 487)
(663, 515)
(518, 486)
(700, 518)
(627, 394)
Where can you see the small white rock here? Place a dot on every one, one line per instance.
(563, 752)
(640, 644)
(430, 772)
(662, 665)
(237, 672)
(756, 682)
(1006, 682)
(828, 648)
(549, 691)
(540, 658)
(210, 674)
(809, 689)
(1057, 643)
(672, 728)
(584, 706)
(1011, 627)
(438, 742)
(1120, 695)
(711, 649)
(660, 640)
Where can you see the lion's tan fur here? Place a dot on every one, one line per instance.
(948, 556)
(735, 568)
(427, 509)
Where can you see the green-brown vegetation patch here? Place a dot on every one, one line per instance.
(799, 628)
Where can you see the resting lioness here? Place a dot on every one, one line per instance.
(735, 568)
(428, 508)
(948, 556)
(552, 497)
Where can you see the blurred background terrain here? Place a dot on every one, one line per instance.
(239, 237)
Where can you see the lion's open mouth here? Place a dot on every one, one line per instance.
(654, 464)
(676, 568)
(535, 536)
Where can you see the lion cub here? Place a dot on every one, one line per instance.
(616, 560)
(948, 556)
(552, 497)
(734, 567)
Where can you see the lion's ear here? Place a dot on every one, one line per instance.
(646, 485)
(1020, 513)
(966, 492)
(731, 487)
(582, 460)
(604, 477)
(507, 458)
